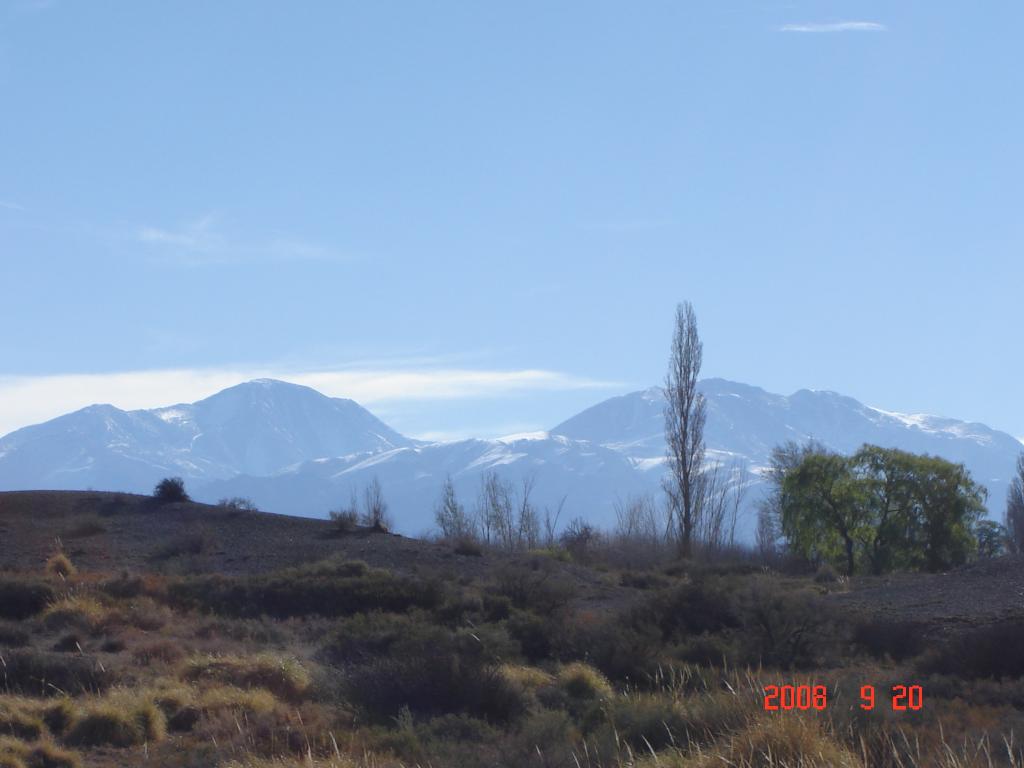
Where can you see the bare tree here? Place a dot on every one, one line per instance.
(551, 523)
(1015, 509)
(685, 413)
(528, 524)
(712, 502)
(636, 520)
(375, 509)
(450, 515)
(508, 519)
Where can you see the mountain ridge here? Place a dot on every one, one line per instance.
(294, 450)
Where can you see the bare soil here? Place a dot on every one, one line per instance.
(115, 532)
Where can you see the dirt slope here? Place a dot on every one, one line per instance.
(111, 532)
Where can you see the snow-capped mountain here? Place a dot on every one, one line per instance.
(292, 450)
(587, 476)
(260, 427)
(747, 422)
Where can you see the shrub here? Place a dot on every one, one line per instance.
(784, 741)
(59, 716)
(165, 651)
(897, 639)
(435, 672)
(110, 725)
(83, 529)
(995, 651)
(786, 629)
(50, 756)
(17, 754)
(581, 681)
(622, 652)
(13, 636)
(540, 588)
(60, 565)
(170, 490)
(826, 574)
(190, 543)
(365, 637)
(282, 676)
(17, 722)
(645, 722)
(41, 673)
(345, 520)
(702, 605)
(468, 547)
(238, 504)
(707, 650)
(22, 598)
(526, 678)
(84, 613)
(332, 588)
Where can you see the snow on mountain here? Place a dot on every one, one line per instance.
(588, 477)
(747, 422)
(259, 427)
(291, 449)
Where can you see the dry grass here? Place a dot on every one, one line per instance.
(60, 565)
(284, 676)
(75, 612)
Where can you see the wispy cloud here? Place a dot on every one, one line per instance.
(28, 400)
(205, 240)
(838, 26)
(10, 206)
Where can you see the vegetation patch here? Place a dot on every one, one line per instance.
(331, 588)
(283, 676)
(22, 597)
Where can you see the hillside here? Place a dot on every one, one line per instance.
(179, 635)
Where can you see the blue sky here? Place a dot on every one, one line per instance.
(477, 217)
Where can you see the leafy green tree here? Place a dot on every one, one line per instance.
(823, 514)
(991, 538)
(877, 510)
(1014, 520)
(169, 490)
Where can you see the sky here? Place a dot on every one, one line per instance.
(477, 218)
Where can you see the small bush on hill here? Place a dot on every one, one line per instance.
(18, 754)
(785, 629)
(16, 722)
(112, 724)
(84, 529)
(184, 544)
(41, 673)
(435, 672)
(539, 587)
(238, 504)
(995, 651)
(12, 635)
(282, 676)
(826, 574)
(60, 565)
(59, 716)
(468, 547)
(345, 520)
(581, 681)
(898, 640)
(77, 612)
(702, 605)
(170, 490)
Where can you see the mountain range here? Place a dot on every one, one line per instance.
(291, 449)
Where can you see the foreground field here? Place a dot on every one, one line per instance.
(185, 635)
